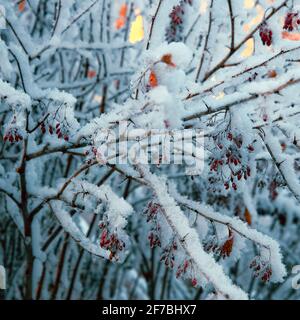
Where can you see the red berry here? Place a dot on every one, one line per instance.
(248, 171)
(250, 148)
(265, 34)
(291, 20)
(194, 282)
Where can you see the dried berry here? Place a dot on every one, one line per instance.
(291, 21)
(266, 34)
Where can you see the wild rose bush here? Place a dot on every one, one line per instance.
(74, 225)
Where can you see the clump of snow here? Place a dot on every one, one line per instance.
(14, 98)
(180, 54)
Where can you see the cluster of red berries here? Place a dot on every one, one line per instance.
(267, 275)
(91, 154)
(110, 241)
(152, 210)
(154, 240)
(261, 269)
(174, 32)
(273, 190)
(265, 34)
(231, 157)
(243, 173)
(176, 15)
(168, 252)
(168, 255)
(292, 20)
(58, 131)
(13, 135)
(183, 269)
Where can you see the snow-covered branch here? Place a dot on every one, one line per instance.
(189, 239)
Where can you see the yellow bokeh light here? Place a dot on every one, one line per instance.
(203, 6)
(220, 96)
(256, 20)
(249, 48)
(137, 30)
(249, 4)
(98, 98)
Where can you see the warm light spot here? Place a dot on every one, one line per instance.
(203, 6)
(137, 11)
(98, 98)
(290, 36)
(137, 30)
(153, 82)
(22, 5)
(260, 15)
(220, 96)
(121, 21)
(272, 74)
(249, 49)
(123, 10)
(249, 4)
(248, 216)
(91, 74)
(167, 59)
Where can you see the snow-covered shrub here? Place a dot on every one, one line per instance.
(76, 225)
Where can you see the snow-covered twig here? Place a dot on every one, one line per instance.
(282, 162)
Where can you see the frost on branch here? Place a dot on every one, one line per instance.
(189, 241)
(74, 223)
(270, 252)
(113, 236)
(70, 227)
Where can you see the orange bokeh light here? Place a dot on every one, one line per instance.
(121, 21)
